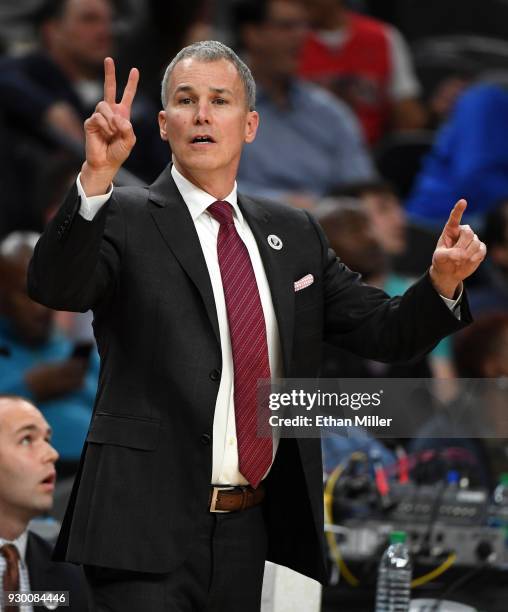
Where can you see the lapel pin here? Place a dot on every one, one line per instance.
(275, 242)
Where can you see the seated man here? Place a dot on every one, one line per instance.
(308, 143)
(38, 362)
(27, 482)
(365, 62)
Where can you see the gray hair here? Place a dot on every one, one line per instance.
(212, 51)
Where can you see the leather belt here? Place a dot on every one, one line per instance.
(233, 499)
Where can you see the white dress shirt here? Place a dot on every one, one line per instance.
(24, 580)
(225, 453)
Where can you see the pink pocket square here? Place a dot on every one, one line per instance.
(305, 281)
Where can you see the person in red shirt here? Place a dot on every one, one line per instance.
(365, 62)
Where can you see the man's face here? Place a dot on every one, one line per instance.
(27, 461)
(276, 44)
(206, 120)
(32, 322)
(355, 242)
(388, 221)
(83, 32)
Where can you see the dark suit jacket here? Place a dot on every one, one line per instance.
(46, 575)
(146, 466)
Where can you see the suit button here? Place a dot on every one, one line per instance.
(214, 375)
(206, 439)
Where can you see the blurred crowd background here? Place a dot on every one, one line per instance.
(375, 115)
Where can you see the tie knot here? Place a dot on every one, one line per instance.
(221, 212)
(10, 552)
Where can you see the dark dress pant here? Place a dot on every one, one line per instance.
(222, 573)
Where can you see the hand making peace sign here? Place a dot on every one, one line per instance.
(109, 134)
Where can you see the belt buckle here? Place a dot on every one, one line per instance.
(215, 494)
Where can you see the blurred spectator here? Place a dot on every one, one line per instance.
(490, 292)
(48, 93)
(480, 351)
(409, 246)
(27, 483)
(307, 142)
(385, 212)
(54, 181)
(40, 363)
(366, 63)
(161, 29)
(469, 159)
(353, 236)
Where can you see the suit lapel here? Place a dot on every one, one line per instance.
(177, 228)
(278, 269)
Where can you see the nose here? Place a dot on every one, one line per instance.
(202, 115)
(51, 454)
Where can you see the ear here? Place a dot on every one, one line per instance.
(161, 117)
(251, 126)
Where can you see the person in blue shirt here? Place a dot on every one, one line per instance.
(468, 160)
(36, 360)
(307, 143)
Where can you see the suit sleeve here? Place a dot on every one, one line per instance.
(367, 322)
(76, 263)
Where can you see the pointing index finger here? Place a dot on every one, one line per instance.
(130, 89)
(109, 81)
(456, 214)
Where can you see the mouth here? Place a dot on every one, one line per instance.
(49, 481)
(202, 139)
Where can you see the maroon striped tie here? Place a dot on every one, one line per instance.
(11, 573)
(248, 342)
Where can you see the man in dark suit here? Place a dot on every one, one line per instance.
(197, 294)
(27, 482)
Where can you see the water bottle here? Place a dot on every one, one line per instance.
(393, 592)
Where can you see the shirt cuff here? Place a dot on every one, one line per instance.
(90, 206)
(454, 305)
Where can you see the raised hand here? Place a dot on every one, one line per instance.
(109, 134)
(458, 253)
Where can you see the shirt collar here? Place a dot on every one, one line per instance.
(19, 543)
(198, 200)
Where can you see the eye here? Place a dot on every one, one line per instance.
(220, 101)
(184, 101)
(26, 441)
